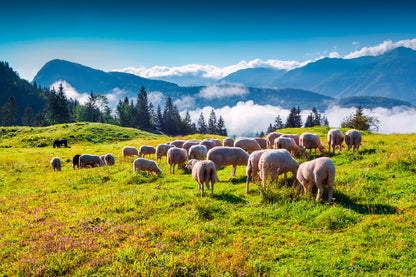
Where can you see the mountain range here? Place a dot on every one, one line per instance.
(367, 81)
(389, 75)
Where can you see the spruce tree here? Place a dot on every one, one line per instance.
(28, 117)
(309, 121)
(212, 123)
(317, 118)
(202, 126)
(9, 112)
(158, 119)
(270, 129)
(221, 130)
(291, 119)
(278, 123)
(298, 119)
(143, 110)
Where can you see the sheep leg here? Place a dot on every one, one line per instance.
(234, 168)
(212, 189)
(320, 191)
(330, 192)
(285, 179)
(248, 182)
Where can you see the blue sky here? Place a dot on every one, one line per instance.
(118, 34)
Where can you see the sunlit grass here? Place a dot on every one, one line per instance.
(107, 220)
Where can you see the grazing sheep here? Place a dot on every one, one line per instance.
(353, 139)
(93, 160)
(146, 150)
(224, 156)
(262, 142)
(270, 139)
(253, 167)
(320, 171)
(335, 138)
(209, 144)
(295, 137)
(56, 164)
(176, 156)
(203, 172)
(247, 144)
(276, 162)
(178, 143)
(198, 152)
(75, 161)
(217, 142)
(60, 141)
(188, 144)
(129, 151)
(311, 141)
(289, 144)
(142, 164)
(228, 142)
(162, 150)
(108, 159)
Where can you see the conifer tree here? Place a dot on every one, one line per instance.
(28, 117)
(143, 110)
(270, 129)
(278, 123)
(309, 121)
(202, 126)
(212, 123)
(158, 119)
(317, 118)
(9, 112)
(221, 130)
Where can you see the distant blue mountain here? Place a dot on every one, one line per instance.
(86, 79)
(392, 74)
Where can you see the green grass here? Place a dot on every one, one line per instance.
(109, 221)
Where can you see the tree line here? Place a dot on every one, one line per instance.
(129, 113)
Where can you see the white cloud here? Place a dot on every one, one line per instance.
(70, 92)
(220, 91)
(185, 102)
(208, 71)
(247, 118)
(382, 48)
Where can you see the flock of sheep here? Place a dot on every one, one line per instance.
(264, 158)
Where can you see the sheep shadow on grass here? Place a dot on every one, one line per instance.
(230, 198)
(363, 208)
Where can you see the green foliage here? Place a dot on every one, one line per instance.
(360, 121)
(111, 221)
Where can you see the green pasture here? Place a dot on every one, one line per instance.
(110, 221)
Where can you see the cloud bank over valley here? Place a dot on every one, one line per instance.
(194, 74)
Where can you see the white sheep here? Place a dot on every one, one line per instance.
(228, 142)
(262, 142)
(208, 143)
(253, 167)
(87, 159)
(129, 151)
(176, 156)
(108, 159)
(56, 164)
(162, 150)
(247, 144)
(217, 142)
(319, 172)
(353, 139)
(275, 162)
(335, 139)
(198, 152)
(142, 164)
(188, 144)
(289, 144)
(146, 150)
(295, 137)
(270, 139)
(203, 172)
(224, 156)
(311, 141)
(178, 143)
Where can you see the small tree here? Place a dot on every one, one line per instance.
(202, 126)
(28, 117)
(270, 129)
(360, 121)
(212, 123)
(9, 112)
(294, 119)
(278, 123)
(221, 130)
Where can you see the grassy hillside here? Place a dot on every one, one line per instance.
(102, 221)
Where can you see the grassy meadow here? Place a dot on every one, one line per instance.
(109, 221)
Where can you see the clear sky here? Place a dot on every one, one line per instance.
(111, 34)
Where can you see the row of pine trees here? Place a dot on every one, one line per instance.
(136, 114)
